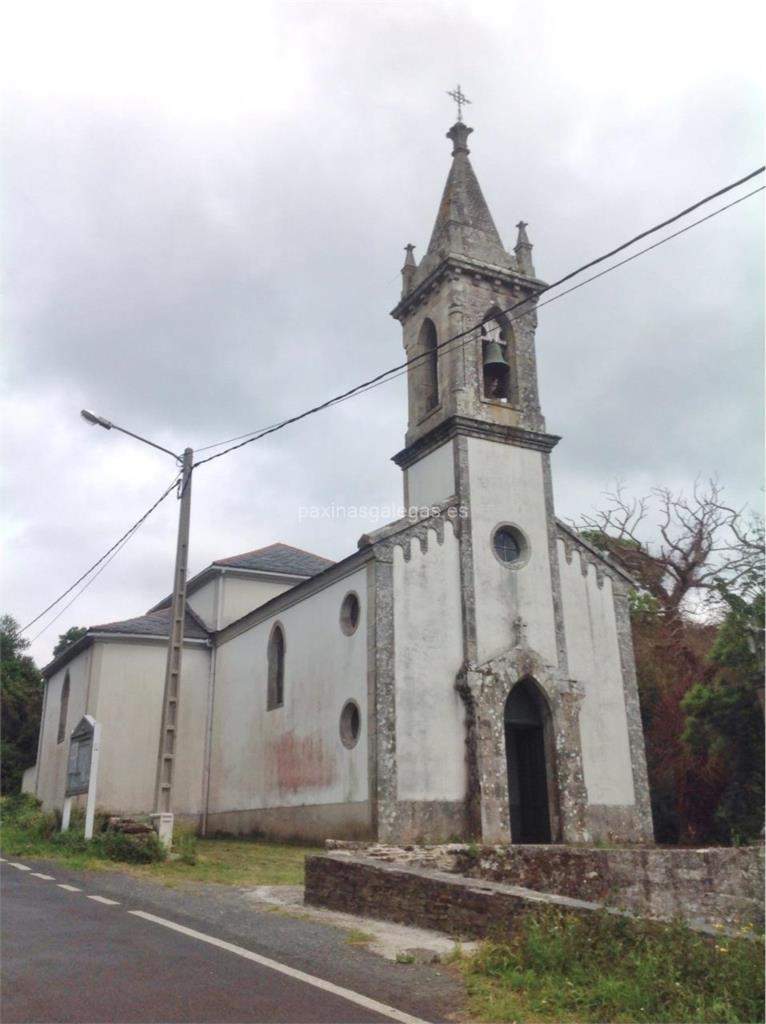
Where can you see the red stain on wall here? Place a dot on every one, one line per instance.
(300, 762)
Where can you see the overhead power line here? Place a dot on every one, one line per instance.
(113, 549)
(581, 284)
(398, 370)
(530, 304)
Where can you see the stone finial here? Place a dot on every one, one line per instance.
(523, 250)
(459, 133)
(409, 268)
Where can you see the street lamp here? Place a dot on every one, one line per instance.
(163, 787)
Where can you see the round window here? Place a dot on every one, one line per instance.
(509, 545)
(349, 614)
(350, 724)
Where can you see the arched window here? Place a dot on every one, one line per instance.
(498, 355)
(428, 375)
(276, 664)
(63, 709)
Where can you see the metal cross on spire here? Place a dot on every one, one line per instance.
(460, 98)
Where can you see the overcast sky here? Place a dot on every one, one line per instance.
(205, 207)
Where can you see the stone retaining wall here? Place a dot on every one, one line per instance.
(461, 907)
(706, 888)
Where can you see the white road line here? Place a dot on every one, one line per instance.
(103, 899)
(291, 972)
(46, 878)
(21, 867)
(69, 888)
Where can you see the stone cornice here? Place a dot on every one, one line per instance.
(455, 264)
(468, 427)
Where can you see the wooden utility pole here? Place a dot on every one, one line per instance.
(163, 792)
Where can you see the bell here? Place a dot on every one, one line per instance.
(493, 356)
(496, 372)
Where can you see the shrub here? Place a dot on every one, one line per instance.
(144, 848)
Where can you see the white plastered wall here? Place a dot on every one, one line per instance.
(428, 653)
(242, 595)
(431, 479)
(51, 776)
(292, 755)
(120, 683)
(227, 597)
(130, 688)
(507, 486)
(204, 602)
(594, 661)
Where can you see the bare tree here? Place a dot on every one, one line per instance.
(701, 545)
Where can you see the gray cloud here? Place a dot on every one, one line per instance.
(203, 251)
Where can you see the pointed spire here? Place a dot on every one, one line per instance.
(523, 250)
(464, 225)
(409, 268)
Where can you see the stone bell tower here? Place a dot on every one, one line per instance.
(553, 742)
(488, 375)
(476, 439)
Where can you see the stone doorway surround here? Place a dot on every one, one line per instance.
(484, 690)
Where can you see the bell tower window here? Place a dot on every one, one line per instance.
(497, 372)
(428, 370)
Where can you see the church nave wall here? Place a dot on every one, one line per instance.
(267, 765)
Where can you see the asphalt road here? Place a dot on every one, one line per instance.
(140, 952)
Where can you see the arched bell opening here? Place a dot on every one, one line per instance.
(529, 750)
(498, 360)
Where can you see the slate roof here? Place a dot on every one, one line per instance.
(282, 558)
(155, 623)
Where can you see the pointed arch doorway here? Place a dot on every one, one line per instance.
(525, 749)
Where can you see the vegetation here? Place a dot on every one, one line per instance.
(241, 862)
(698, 639)
(29, 832)
(72, 635)
(21, 701)
(600, 967)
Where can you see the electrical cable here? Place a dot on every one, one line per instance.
(125, 536)
(390, 374)
(400, 369)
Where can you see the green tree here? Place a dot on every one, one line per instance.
(72, 635)
(698, 563)
(724, 717)
(21, 689)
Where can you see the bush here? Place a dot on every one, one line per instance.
(144, 848)
(599, 967)
(30, 831)
(24, 812)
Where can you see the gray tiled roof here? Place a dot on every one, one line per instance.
(156, 623)
(278, 558)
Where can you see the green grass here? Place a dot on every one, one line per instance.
(356, 937)
(241, 862)
(566, 968)
(28, 832)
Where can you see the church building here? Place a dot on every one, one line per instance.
(467, 672)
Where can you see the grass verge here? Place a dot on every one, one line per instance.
(27, 831)
(568, 968)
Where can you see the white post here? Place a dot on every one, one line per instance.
(90, 806)
(66, 813)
